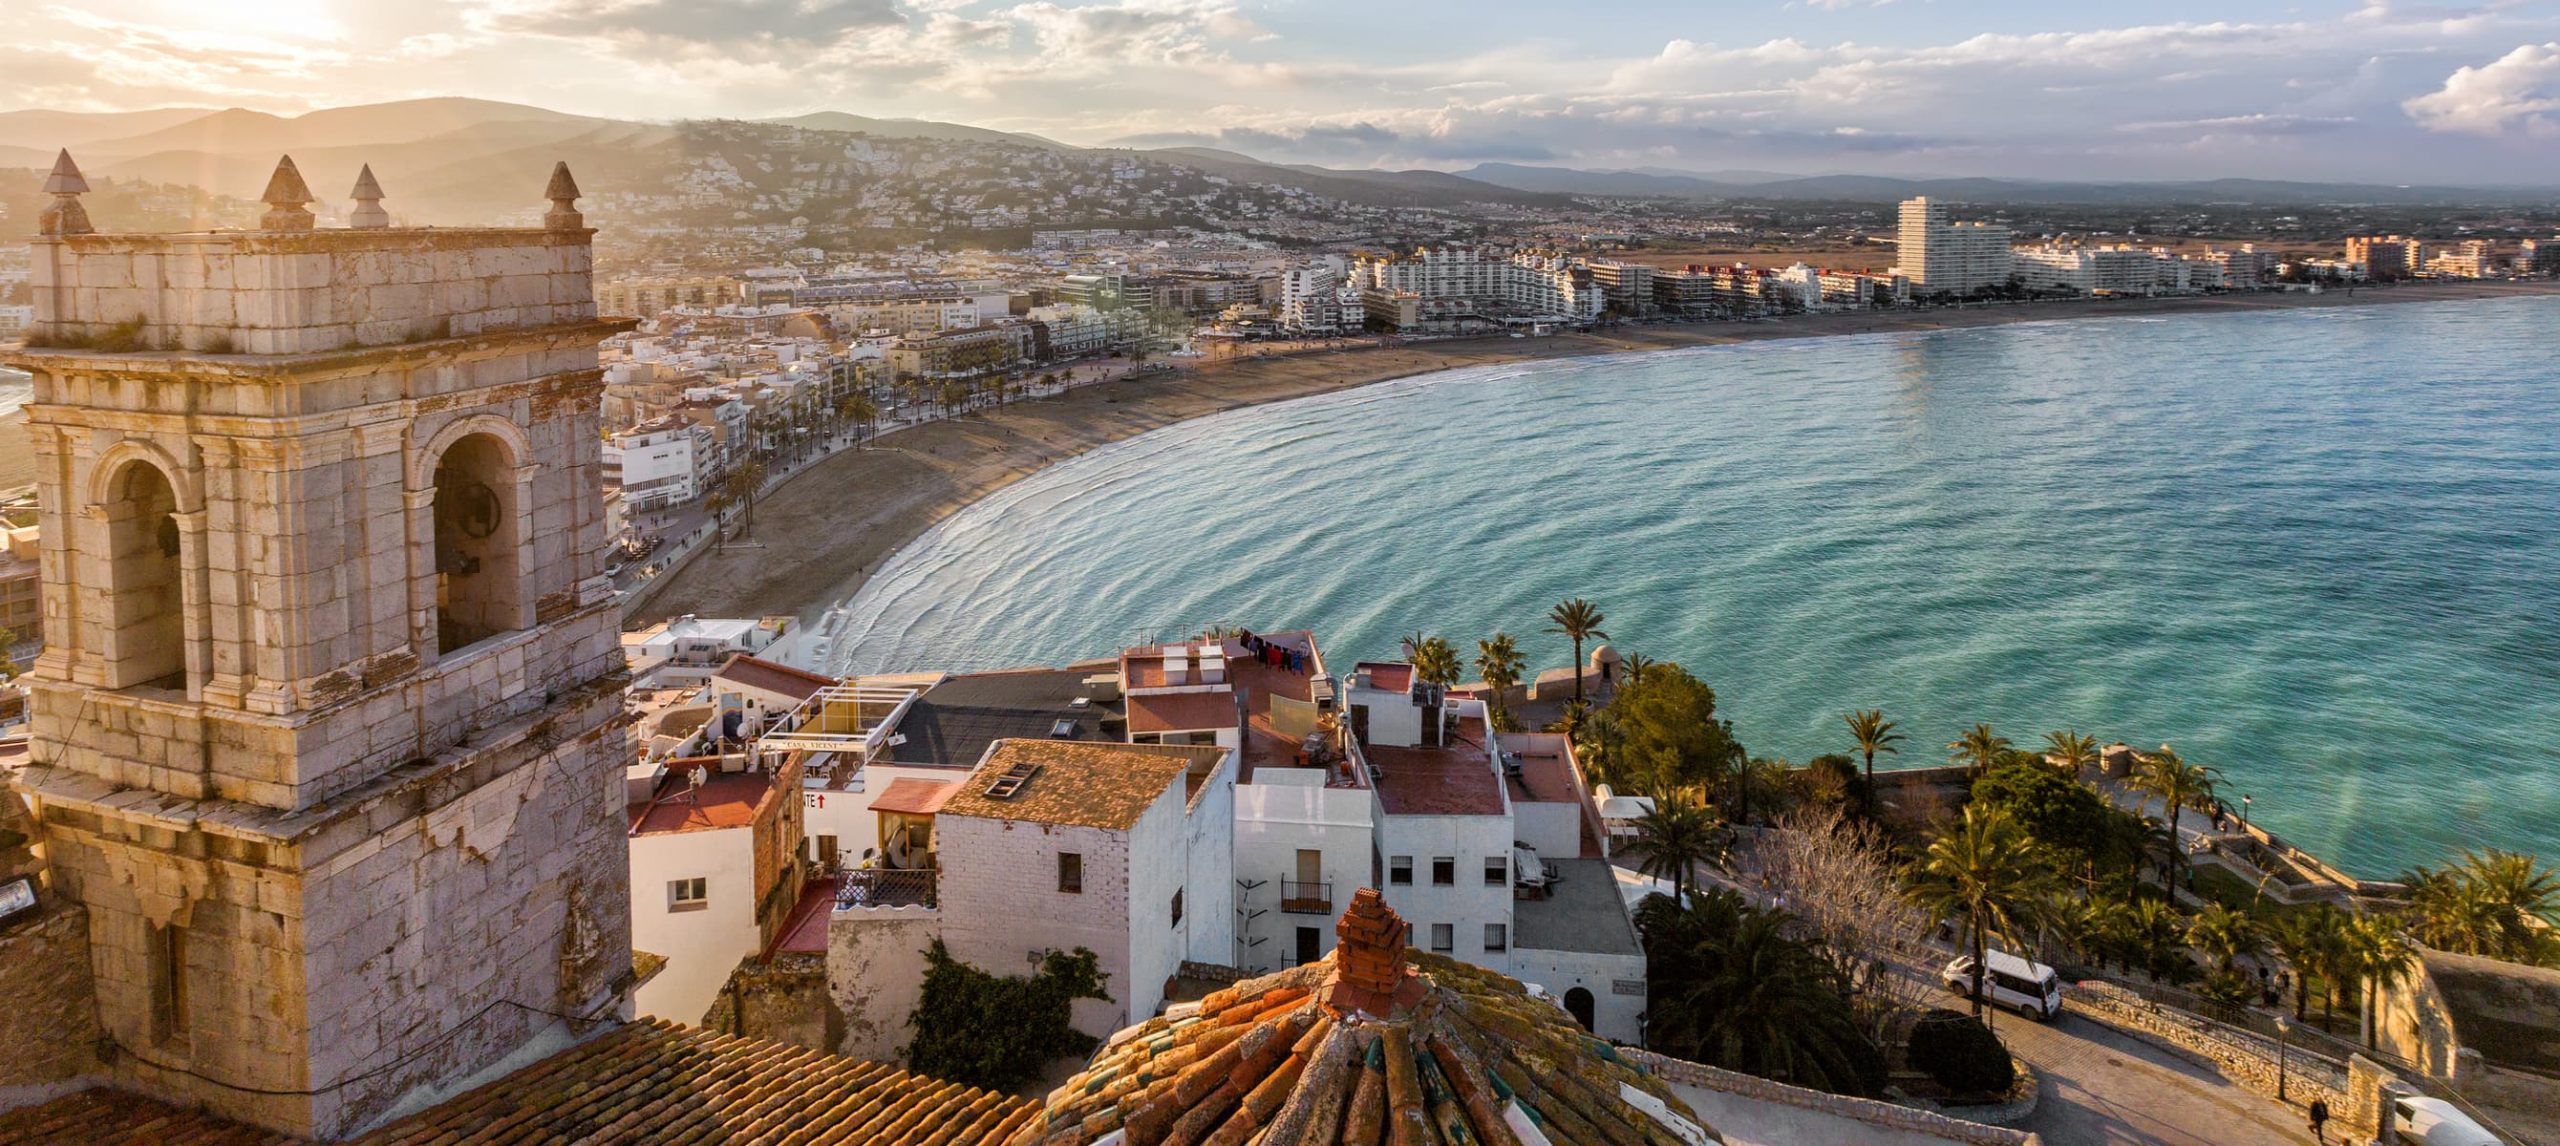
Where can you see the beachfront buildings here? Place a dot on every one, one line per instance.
(2386, 257)
(2121, 269)
(1451, 286)
(1940, 256)
(658, 463)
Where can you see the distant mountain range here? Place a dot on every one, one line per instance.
(1885, 189)
(453, 160)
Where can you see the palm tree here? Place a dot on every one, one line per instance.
(1874, 734)
(2071, 750)
(1579, 621)
(1631, 670)
(1979, 748)
(2311, 942)
(1733, 988)
(2179, 785)
(1595, 740)
(2225, 936)
(1759, 778)
(2153, 936)
(1498, 662)
(1412, 643)
(1673, 838)
(2378, 954)
(2496, 904)
(1987, 872)
(1436, 663)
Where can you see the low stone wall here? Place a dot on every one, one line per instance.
(2247, 1060)
(786, 1001)
(1880, 1114)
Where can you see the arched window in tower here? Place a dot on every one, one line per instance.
(478, 590)
(146, 630)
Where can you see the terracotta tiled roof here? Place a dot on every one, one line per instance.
(914, 796)
(114, 1118)
(647, 1082)
(1376, 1045)
(1088, 785)
(767, 676)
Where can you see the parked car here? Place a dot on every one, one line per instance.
(2435, 1122)
(2031, 989)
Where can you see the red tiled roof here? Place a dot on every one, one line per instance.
(725, 800)
(767, 676)
(646, 1082)
(1182, 712)
(915, 797)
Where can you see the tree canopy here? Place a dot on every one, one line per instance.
(1668, 733)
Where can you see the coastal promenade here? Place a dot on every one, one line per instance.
(827, 529)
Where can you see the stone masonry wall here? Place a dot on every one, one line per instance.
(254, 293)
(785, 1001)
(2245, 1059)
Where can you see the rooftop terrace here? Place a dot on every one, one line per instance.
(1456, 780)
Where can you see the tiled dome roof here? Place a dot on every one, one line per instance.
(1368, 1045)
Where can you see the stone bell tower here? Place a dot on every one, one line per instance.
(326, 725)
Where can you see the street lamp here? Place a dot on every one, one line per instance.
(2244, 809)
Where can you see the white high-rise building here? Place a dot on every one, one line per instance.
(1958, 258)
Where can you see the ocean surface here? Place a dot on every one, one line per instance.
(2318, 549)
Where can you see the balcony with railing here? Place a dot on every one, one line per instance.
(875, 887)
(1298, 898)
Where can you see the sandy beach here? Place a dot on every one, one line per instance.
(817, 537)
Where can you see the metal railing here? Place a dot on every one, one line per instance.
(866, 887)
(1299, 898)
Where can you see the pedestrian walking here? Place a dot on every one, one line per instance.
(2320, 1121)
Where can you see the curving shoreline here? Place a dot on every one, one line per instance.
(817, 538)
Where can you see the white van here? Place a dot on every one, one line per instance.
(2435, 1122)
(2031, 989)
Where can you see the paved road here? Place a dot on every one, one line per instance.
(2102, 1086)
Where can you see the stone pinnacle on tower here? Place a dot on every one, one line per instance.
(563, 193)
(285, 195)
(368, 215)
(65, 215)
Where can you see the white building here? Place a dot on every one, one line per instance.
(1455, 282)
(1313, 299)
(684, 652)
(1942, 256)
(656, 464)
(709, 861)
(14, 320)
(1127, 850)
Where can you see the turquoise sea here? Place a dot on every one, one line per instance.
(2317, 549)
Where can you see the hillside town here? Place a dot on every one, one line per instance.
(353, 797)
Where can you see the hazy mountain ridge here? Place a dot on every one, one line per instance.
(1886, 189)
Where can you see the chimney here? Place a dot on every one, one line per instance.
(1369, 966)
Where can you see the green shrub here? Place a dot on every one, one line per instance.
(998, 1032)
(1960, 1053)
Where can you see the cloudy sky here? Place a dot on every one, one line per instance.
(2380, 90)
